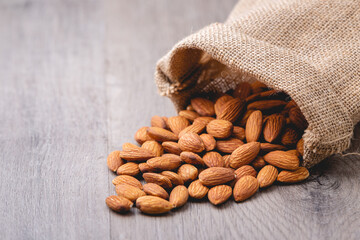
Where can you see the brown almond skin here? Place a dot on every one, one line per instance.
(298, 175)
(246, 187)
(297, 118)
(300, 146)
(245, 170)
(243, 90)
(246, 116)
(129, 168)
(238, 132)
(282, 160)
(174, 178)
(253, 126)
(141, 135)
(295, 152)
(114, 161)
(179, 196)
(213, 159)
(273, 127)
(153, 205)
(203, 107)
(269, 147)
(290, 137)
(196, 127)
(177, 124)
(189, 115)
(209, 141)
(155, 190)
(226, 160)
(161, 135)
(265, 105)
(228, 145)
(191, 142)
(165, 162)
(188, 172)
(157, 178)
(136, 154)
(171, 147)
(130, 192)
(203, 120)
(216, 176)
(258, 162)
(118, 204)
(219, 194)
(153, 147)
(128, 180)
(219, 104)
(128, 146)
(191, 158)
(258, 86)
(219, 128)
(144, 167)
(197, 190)
(244, 154)
(267, 176)
(231, 110)
(157, 121)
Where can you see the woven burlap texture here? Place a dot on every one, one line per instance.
(310, 49)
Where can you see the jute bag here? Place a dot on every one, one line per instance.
(309, 49)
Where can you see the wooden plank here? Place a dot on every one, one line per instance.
(53, 134)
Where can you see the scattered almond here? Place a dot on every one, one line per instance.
(129, 168)
(171, 147)
(245, 188)
(197, 190)
(216, 175)
(282, 160)
(253, 126)
(267, 176)
(245, 170)
(297, 118)
(219, 194)
(128, 180)
(231, 110)
(244, 154)
(219, 104)
(144, 167)
(153, 205)
(165, 162)
(290, 137)
(136, 154)
(203, 106)
(209, 141)
(219, 128)
(191, 158)
(229, 145)
(213, 159)
(273, 127)
(153, 147)
(179, 196)
(157, 178)
(141, 135)
(118, 204)
(161, 135)
(298, 175)
(155, 190)
(238, 132)
(189, 115)
(188, 172)
(130, 192)
(173, 177)
(177, 124)
(243, 90)
(114, 161)
(157, 121)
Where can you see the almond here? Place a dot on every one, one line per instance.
(273, 126)
(128, 180)
(244, 119)
(271, 94)
(129, 146)
(228, 146)
(268, 147)
(196, 127)
(157, 121)
(290, 137)
(295, 152)
(171, 147)
(158, 179)
(282, 160)
(216, 175)
(219, 128)
(188, 172)
(144, 167)
(244, 154)
(258, 162)
(179, 196)
(203, 106)
(298, 175)
(118, 204)
(231, 110)
(153, 147)
(219, 194)
(114, 161)
(213, 159)
(246, 187)
(141, 135)
(226, 160)
(191, 158)
(130, 192)
(267, 176)
(177, 124)
(165, 120)
(209, 141)
(197, 190)
(219, 104)
(297, 118)
(155, 190)
(238, 132)
(245, 170)
(129, 168)
(189, 115)
(290, 105)
(165, 162)
(265, 105)
(174, 178)
(258, 86)
(136, 154)
(161, 135)
(189, 107)
(300, 146)
(191, 142)
(203, 120)
(253, 126)
(153, 205)
(243, 90)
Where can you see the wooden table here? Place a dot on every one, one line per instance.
(77, 82)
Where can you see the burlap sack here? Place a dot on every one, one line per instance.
(309, 48)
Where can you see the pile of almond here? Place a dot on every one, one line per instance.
(231, 145)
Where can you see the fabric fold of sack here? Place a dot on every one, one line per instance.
(308, 49)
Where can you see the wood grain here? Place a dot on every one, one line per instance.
(77, 82)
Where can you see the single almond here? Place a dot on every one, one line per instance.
(245, 170)
(157, 178)
(136, 154)
(203, 120)
(297, 118)
(266, 105)
(253, 126)
(130, 168)
(219, 194)
(114, 161)
(243, 90)
(244, 154)
(153, 205)
(219, 104)
(209, 141)
(165, 162)
(173, 177)
(216, 175)
(268, 147)
(191, 142)
(188, 172)
(130, 192)
(129, 146)
(219, 128)
(128, 180)
(267, 176)
(197, 190)
(203, 106)
(196, 127)
(189, 107)
(238, 132)
(231, 110)
(213, 159)
(161, 135)
(171, 147)
(226, 160)
(258, 86)
(142, 136)
(244, 119)
(153, 147)
(300, 146)
(144, 167)
(258, 162)
(165, 120)
(290, 105)
(273, 127)
(189, 115)
(266, 95)
(282, 160)
(191, 158)
(246, 187)
(179, 196)
(118, 204)
(295, 152)
(298, 175)
(177, 124)
(157, 121)
(290, 137)
(229, 145)
(155, 190)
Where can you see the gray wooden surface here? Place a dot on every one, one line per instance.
(77, 82)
